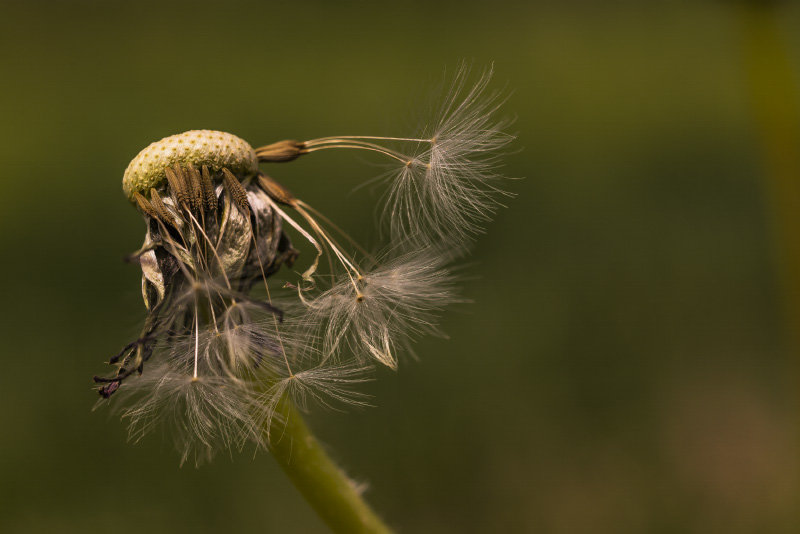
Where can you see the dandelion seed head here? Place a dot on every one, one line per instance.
(222, 343)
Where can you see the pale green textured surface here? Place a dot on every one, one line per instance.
(195, 147)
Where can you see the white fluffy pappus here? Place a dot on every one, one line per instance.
(218, 389)
(383, 309)
(327, 385)
(451, 185)
(203, 414)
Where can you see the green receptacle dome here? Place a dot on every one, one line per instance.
(195, 147)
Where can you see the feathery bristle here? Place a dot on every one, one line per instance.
(204, 414)
(449, 189)
(385, 309)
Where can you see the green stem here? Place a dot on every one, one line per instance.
(324, 485)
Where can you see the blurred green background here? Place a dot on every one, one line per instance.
(629, 363)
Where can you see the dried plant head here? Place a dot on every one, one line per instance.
(223, 343)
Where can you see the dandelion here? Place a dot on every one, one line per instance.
(225, 354)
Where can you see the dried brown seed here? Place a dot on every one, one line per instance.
(195, 188)
(287, 150)
(177, 185)
(144, 206)
(235, 190)
(276, 191)
(209, 197)
(161, 209)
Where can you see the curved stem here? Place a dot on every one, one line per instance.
(324, 485)
(378, 137)
(362, 146)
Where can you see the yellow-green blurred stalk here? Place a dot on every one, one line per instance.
(324, 485)
(774, 96)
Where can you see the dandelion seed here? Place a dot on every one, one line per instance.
(446, 184)
(326, 385)
(203, 414)
(451, 186)
(386, 308)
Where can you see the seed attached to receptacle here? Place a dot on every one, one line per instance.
(161, 209)
(144, 205)
(176, 183)
(209, 197)
(276, 191)
(195, 188)
(287, 150)
(236, 190)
